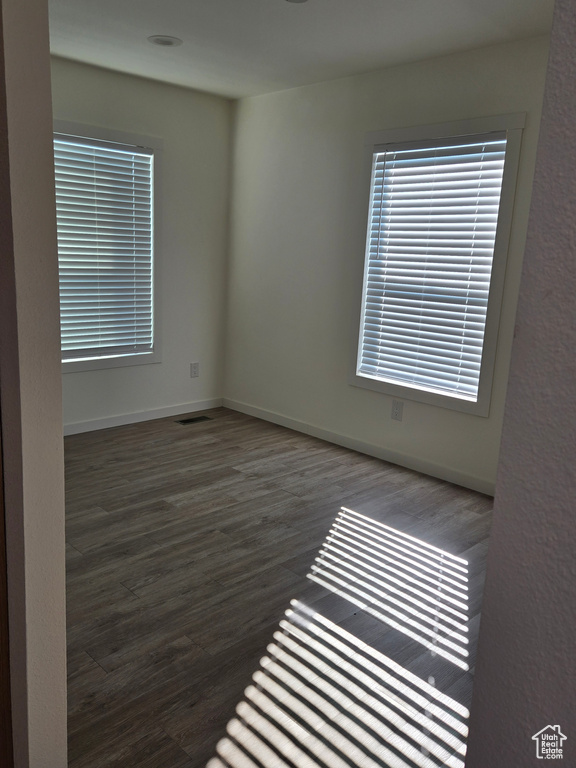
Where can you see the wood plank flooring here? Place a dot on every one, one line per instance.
(186, 545)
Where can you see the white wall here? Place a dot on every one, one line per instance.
(31, 395)
(193, 224)
(298, 228)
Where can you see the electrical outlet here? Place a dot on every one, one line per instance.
(194, 370)
(397, 409)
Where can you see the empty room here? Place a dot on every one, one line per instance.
(284, 243)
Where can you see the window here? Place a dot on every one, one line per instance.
(104, 206)
(438, 228)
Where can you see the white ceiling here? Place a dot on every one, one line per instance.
(245, 47)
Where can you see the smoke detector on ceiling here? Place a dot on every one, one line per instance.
(167, 40)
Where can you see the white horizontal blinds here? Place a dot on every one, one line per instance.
(105, 234)
(433, 216)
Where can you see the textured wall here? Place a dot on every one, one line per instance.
(526, 676)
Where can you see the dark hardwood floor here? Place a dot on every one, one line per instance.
(222, 607)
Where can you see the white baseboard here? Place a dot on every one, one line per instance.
(394, 457)
(133, 418)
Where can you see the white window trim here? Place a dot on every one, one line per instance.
(513, 125)
(156, 144)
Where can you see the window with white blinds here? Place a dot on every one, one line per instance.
(433, 219)
(104, 205)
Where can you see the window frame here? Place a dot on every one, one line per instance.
(513, 125)
(155, 144)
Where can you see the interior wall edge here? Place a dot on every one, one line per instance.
(35, 472)
(450, 475)
(525, 671)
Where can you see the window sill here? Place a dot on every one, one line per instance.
(479, 408)
(119, 361)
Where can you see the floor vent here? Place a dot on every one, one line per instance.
(194, 420)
